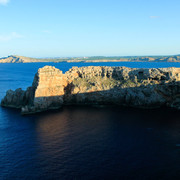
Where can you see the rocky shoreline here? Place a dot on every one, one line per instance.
(122, 86)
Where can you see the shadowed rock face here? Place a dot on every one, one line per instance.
(143, 88)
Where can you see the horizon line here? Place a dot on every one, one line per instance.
(89, 56)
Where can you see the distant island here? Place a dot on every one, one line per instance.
(22, 59)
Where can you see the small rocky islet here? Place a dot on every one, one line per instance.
(98, 85)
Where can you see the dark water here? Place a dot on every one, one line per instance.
(86, 142)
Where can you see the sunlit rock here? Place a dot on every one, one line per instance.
(133, 87)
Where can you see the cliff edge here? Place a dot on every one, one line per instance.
(132, 87)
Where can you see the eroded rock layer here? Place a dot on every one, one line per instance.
(143, 88)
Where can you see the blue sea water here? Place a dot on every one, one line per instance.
(86, 142)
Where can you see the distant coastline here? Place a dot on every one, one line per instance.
(22, 59)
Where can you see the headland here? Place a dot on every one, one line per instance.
(100, 85)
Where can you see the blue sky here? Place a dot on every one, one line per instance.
(58, 28)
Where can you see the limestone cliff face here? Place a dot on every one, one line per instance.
(49, 85)
(143, 88)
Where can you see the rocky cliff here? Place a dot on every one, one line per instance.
(142, 88)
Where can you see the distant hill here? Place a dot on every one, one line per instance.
(22, 59)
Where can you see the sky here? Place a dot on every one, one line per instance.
(67, 28)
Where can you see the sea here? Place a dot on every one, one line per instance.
(86, 142)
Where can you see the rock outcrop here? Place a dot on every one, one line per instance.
(142, 88)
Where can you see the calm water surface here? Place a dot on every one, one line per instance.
(86, 142)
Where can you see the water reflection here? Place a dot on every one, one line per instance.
(90, 142)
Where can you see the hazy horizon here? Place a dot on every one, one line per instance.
(89, 56)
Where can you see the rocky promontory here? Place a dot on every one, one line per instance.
(98, 85)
